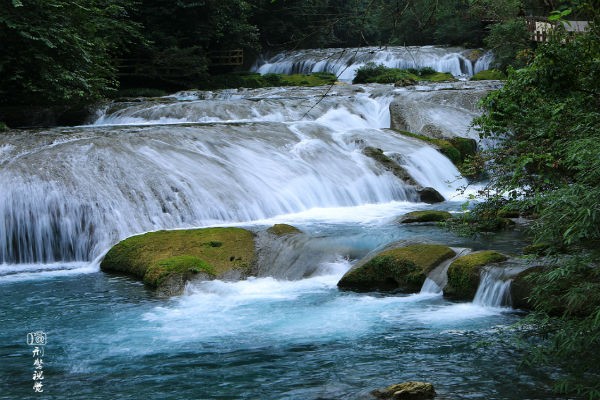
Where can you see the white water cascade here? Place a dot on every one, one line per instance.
(199, 159)
(344, 62)
(494, 288)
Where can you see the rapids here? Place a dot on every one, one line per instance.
(247, 158)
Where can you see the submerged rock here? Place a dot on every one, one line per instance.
(166, 260)
(401, 269)
(464, 273)
(283, 229)
(425, 216)
(430, 196)
(406, 391)
(389, 164)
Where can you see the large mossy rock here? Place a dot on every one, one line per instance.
(425, 216)
(406, 391)
(464, 273)
(402, 269)
(165, 260)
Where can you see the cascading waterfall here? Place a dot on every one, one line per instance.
(344, 62)
(198, 159)
(494, 288)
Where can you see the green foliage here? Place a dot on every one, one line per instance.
(508, 40)
(566, 298)
(378, 73)
(546, 123)
(59, 51)
(255, 80)
(489, 74)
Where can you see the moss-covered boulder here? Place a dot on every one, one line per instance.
(283, 230)
(402, 269)
(165, 260)
(425, 216)
(464, 272)
(406, 391)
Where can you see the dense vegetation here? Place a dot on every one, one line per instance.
(546, 165)
(76, 51)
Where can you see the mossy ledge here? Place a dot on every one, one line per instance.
(457, 149)
(165, 260)
(464, 272)
(402, 269)
(283, 230)
(425, 216)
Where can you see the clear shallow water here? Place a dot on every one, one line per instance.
(72, 193)
(108, 337)
(264, 338)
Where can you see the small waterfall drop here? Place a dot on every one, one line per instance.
(345, 62)
(494, 288)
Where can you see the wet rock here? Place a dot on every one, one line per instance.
(283, 229)
(425, 216)
(464, 273)
(430, 195)
(521, 288)
(406, 391)
(389, 164)
(166, 260)
(402, 269)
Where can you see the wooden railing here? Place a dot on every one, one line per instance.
(226, 57)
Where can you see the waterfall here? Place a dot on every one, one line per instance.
(438, 278)
(345, 62)
(202, 158)
(494, 288)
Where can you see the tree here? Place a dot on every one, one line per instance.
(60, 51)
(546, 123)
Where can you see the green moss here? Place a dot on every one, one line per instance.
(489, 75)
(220, 250)
(438, 77)
(463, 273)
(403, 269)
(373, 73)
(426, 216)
(186, 266)
(456, 149)
(3, 127)
(389, 164)
(283, 229)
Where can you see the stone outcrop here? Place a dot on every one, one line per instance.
(402, 269)
(166, 260)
